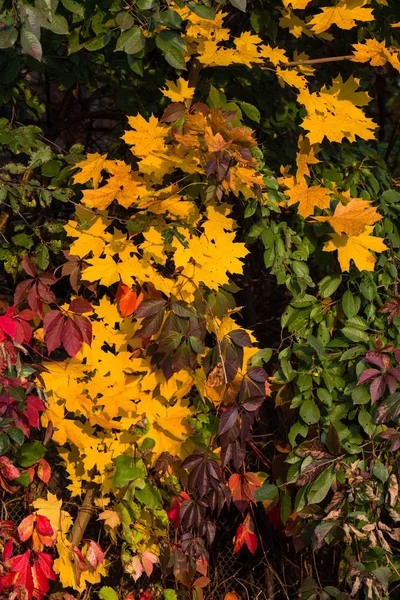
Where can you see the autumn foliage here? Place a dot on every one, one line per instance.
(144, 401)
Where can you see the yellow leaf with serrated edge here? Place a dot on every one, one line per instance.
(146, 136)
(295, 25)
(274, 55)
(376, 53)
(50, 507)
(296, 4)
(308, 198)
(352, 217)
(91, 168)
(178, 91)
(292, 78)
(334, 113)
(344, 15)
(306, 156)
(93, 239)
(357, 248)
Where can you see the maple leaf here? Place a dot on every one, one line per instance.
(334, 113)
(245, 535)
(110, 518)
(292, 78)
(306, 156)
(146, 137)
(91, 168)
(356, 248)
(308, 198)
(296, 4)
(344, 15)
(274, 55)
(377, 53)
(351, 218)
(178, 91)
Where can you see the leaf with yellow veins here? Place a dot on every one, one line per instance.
(154, 246)
(110, 518)
(306, 156)
(146, 136)
(352, 217)
(247, 47)
(376, 53)
(178, 91)
(334, 113)
(291, 77)
(274, 55)
(105, 270)
(91, 168)
(296, 4)
(344, 15)
(308, 198)
(357, 248)
(93, 239)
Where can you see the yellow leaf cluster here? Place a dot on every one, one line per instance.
(376, 53)
(344, 15)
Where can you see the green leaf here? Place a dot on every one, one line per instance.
(316, 345)
(366, 422)
(126, 471)
(249, 110)
(240, 4)
(351, 304)
(131, 41)
(97, 42)
(77, 8)
(309, 412)
(204, 12)
(175, 58)
(124, 20)
(107, 593)
(51, 168)
(170, 594)
(4, 443)
(42, 257)
(17, 435)
(266, 492)
(29, 454)
(30, 44)
(329, 284)
(355, 335)
(23, 240)
(150, 496)
(368, 290)
(321, 486)
(380, 471)
(286, 507)
(23, 479)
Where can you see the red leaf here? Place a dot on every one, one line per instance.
(95, 555)
(80, 306)
(34, 301)
(42, 573)
(45, 294)
(9, 531)
(129, 301)
(21, 565)
(377, 388)
(72, 337)
(53, 324)
(367, 375)
(25, 528)
(246, 535)
(7, 469)
(28, 265)
(21, 291)
(43, 525)
(8, 326)
(44, 471)
(85, 327)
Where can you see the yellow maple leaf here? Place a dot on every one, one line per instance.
(274, 55)
(308, 198)
(295, 25)
(352, 217)
(356, 248)
(292, 78)
(335, 113)
(91, 168)
(344, 15)
(146, 136)
(178, 91)
(110, 518)
(306, 156)
(296, 4)
(376, 53)
(93, 239)
(51, 507)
